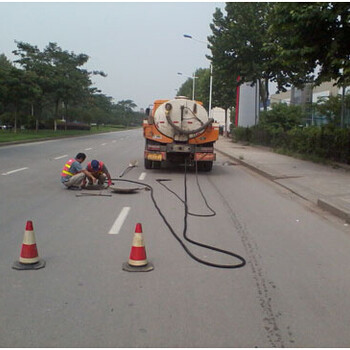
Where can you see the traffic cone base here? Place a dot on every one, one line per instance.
(29, 258)
(138, 259)
(146, 268)
(17, 265)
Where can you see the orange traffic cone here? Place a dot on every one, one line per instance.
(138, 259)
(29, 258)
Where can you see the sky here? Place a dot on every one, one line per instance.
(139, 45)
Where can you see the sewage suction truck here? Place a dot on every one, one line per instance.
(179, 131)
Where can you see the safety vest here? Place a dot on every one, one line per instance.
(91, 170)
(65, 170)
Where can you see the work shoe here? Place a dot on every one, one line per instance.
(74, 188)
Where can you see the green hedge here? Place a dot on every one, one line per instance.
(326, 142)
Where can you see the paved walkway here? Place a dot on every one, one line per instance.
(325, 185)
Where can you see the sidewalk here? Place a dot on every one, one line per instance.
(324, 185)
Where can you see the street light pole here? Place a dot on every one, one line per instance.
(194, 84)
(193, 76)
(187, 36)
(210, 88)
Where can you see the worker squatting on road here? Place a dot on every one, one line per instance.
(99, 171)
(73, 176)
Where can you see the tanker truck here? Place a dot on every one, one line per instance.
(179, 130)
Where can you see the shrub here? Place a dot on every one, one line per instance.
(240, 134)
(280, 129)
(281, 116)
(72, 126)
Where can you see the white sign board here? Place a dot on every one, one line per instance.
(247, 105)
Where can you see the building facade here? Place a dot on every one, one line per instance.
(310, 95)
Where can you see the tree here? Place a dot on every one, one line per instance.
(125, 110)
(237, 45)
(5, 68)
(22, 88)
(331, 107)
(71, 82)
(282, 116)
(59, 74)
(186, 88)
(31, 59)
(306, 36)
(202, 76)
(223, 92)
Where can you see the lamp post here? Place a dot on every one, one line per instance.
(193, 78)
(188, 36)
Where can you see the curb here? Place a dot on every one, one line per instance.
(247, 165)
(334, 208)
(11, 143)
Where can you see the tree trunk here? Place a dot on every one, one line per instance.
(15, 126)
(32, 114)
(263, 90)
(66, 115)
(266, 92)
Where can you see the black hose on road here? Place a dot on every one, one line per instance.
(222, 251)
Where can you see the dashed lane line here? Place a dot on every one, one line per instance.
(65, 155)
(14, 171)
(119, 221)
(88, 149)
(142, 176)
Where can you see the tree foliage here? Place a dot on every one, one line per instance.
(237, 44)
(284, 42)
(202, 76)
(52, 84)
(331, 108)
(306, 36)
(282, 116)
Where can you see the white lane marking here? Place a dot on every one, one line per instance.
(65, 155)
(119, 221)
(14, 171)
(142, 176)
(88, 149)
(103, 144)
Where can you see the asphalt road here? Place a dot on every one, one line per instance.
(293, 292)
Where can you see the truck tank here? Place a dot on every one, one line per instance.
(181, 119)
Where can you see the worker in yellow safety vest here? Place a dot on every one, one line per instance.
(73, 176)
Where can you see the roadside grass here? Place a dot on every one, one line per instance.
(28, 135)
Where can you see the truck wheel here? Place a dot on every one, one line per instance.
(205, 166)
(148, 164)
(156, 165)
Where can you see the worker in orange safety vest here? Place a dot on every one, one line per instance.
(99, 171)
